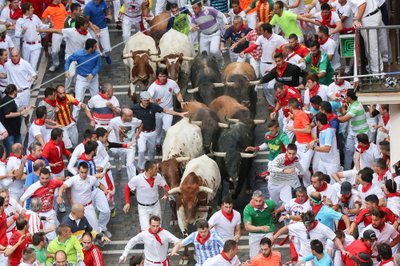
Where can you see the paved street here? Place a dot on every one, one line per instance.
(124, 226)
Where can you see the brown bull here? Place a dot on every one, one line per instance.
(226, 107)
(192, 107)
(159, 26)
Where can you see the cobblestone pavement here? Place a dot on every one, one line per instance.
(125, 226)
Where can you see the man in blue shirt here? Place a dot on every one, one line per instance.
(88, 66)
(33, 177)
(97, 11)
(319, 256)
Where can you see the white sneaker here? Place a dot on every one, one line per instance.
(107, 234)
(52, 68)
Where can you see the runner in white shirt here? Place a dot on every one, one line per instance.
(329, 46)
(88, 135)
(11, 207)
(5, 40)
(37, 130)
(6, 178)
(25, 28)
(333, 250)
(330, 19)
(162, 91)
(226, 221)
(292, 57)
(228, 256)
(132, 16)
(381, 172)
(328, 192)
(10, 15)
(22, 75)
(3, 72)
(16, 164)
(146, 186)
(124, 129)
(366, 187)
(314, 88)
(338, 88)
(82, 186)
(156, 241)
(349, 200)
(104, 106)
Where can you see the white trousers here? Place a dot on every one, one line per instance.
(4, 260)
(210, 44)
(22, 99)
(53, 221)
(146, 142)
(254, 242)
(163, 123)
(305, 157)
(127, 24)
(371, 42)
(90, 214)
(145, 212)
(251, 20)
(104, 40)
(116, 8)
(70, 135)
(31, 53)
(100, 203)
(280, 193)
(268, 88)
(56, 41)
(329, 168)
(82, 84)
(129, 156)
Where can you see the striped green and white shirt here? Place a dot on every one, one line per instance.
(358, 121)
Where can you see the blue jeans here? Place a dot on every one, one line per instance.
(9, 141)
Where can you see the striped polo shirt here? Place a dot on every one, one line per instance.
(212, 247)
(220, 5)
(358, 121)
(64, 115)
(207, 20)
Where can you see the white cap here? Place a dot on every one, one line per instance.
(145, 95)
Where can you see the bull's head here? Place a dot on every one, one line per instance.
(191, 195)
(173, 63)
(141, 69)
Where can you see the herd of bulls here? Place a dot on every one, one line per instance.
(220, 122)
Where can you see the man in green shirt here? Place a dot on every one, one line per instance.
(39, 245)
(287, 21)
(258, 221)
(358, 124)
(68, 243)
(319, 64)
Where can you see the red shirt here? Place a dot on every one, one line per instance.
(15, 257)
(53, 153)
(301, 50)
(354, 249)
(46, 194)
(3, 230)
(93, 256)
(283, 102)
(365, 216)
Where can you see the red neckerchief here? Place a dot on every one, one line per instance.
(385, 119)
(269, 137)
(14, 155)
(314, 225)
(50, 102)
(17, 62)
(290, 56)
(156, 235)
(323, 187)
(202, 240)
(289, 162)
(315, 59)
(380, 227)
(391, 195)
(323, 41)
(281, 70)
(331, 116)
(83, 157)
(313, 91)
(383, 262)
(102, 95)
(223, 254)
(39, 122)
(366, 187)
(31, 158)
(345, 199)
(236, 13)
(228, 216)
(82, 32)
(16, 14)
(158, 82)
(254, 205)
(324, 127)
(241, 28)
(382, 174)
(327, 20)
(2, 39)
(362, 149)
(3, 160)
(339, 82)
(149, 180)
(84, 141)
(316, 208)
(297, 201)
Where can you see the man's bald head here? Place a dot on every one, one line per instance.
(76, 208)
(15, 57)
(16, 148)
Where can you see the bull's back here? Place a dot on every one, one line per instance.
(238, 68)
(193, 106)
(225, 107)
(208, 169)
(138, 42)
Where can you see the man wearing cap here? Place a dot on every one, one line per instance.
(349, 201)
(361, 249)
(146, 111)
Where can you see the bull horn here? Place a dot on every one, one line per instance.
(229, 83)
(223, 125)
(255, 82)
(150, 53)
(197, 123)
(182, 159)
(155, 60)
(174, 190)
(206, 189)
(187, 58)
(219, 85)
(258, 121)
(134, 80)
(217, 154)
(233, 120)
(126, 56)
(193, 90)
(247, 155)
